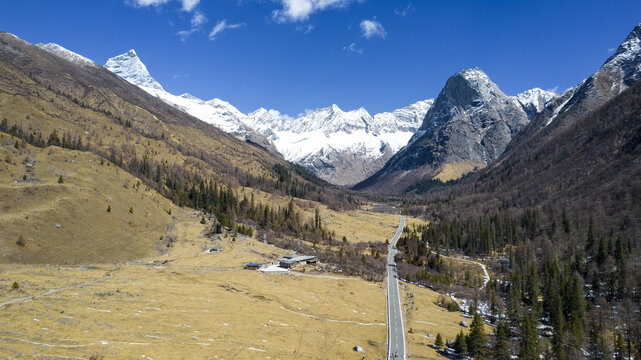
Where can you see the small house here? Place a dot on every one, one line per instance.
(253, 266)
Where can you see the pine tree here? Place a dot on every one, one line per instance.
(460, 345)
(439, 341)
(108, 208)
(575, 310)
(530, 339)
(60, 180)
(501, 350)
(589, 243)
(477, 339)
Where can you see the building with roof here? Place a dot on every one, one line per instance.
(290, 260)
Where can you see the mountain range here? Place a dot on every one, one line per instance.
(468, 126)
(473, 124)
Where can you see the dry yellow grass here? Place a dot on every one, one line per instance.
(34, 203)
(195, 306)
(188, 304)
(454, 171)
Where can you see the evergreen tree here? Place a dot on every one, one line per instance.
(598, 343)
(460, 345)
(501, 350)
(530, 349)
(591, 238)
(477, 339)
(439, 341)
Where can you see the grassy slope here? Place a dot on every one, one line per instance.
(31, 208)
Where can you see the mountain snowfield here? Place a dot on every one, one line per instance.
(343, 147)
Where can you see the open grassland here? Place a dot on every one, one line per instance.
(194, 305)
(66, 207)
(191, 304)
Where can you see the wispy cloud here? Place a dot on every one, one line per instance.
(301, 10)
(353, 48)
(197, 21)
(187, 5)
(306, 29)
(371, 28)
(554, 89)
(190, 5)
(145, 3)
(611, 50)
(405, 11)
(221, 27)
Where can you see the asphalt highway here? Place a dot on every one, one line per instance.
(396, 333)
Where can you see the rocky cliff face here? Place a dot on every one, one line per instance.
(471, 120)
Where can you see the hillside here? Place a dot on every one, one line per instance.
(63, 206)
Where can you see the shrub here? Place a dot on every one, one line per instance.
(60, 179)
(20, 241)
(15, 285)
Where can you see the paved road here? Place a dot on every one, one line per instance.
(396, 333)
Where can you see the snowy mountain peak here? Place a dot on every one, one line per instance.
(534, 100)
(67, 54)
(129, 67)
(473, 74)
(626, 61)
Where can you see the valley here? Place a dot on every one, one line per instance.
(474, 224)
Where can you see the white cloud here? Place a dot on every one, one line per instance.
(185, 34)
(554, 89)
(144, 3)
(306, 29)
(611, 50)
(196, 25)
(408, 9)
(221, 26)
(371, 28)
(353, 48)
(189, 5)
(198, 19)
(300, 10)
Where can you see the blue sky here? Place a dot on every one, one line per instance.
(293, 55)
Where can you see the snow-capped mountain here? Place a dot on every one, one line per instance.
(534, 100)
(342, 147)
(67, 54)
(215, 111)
